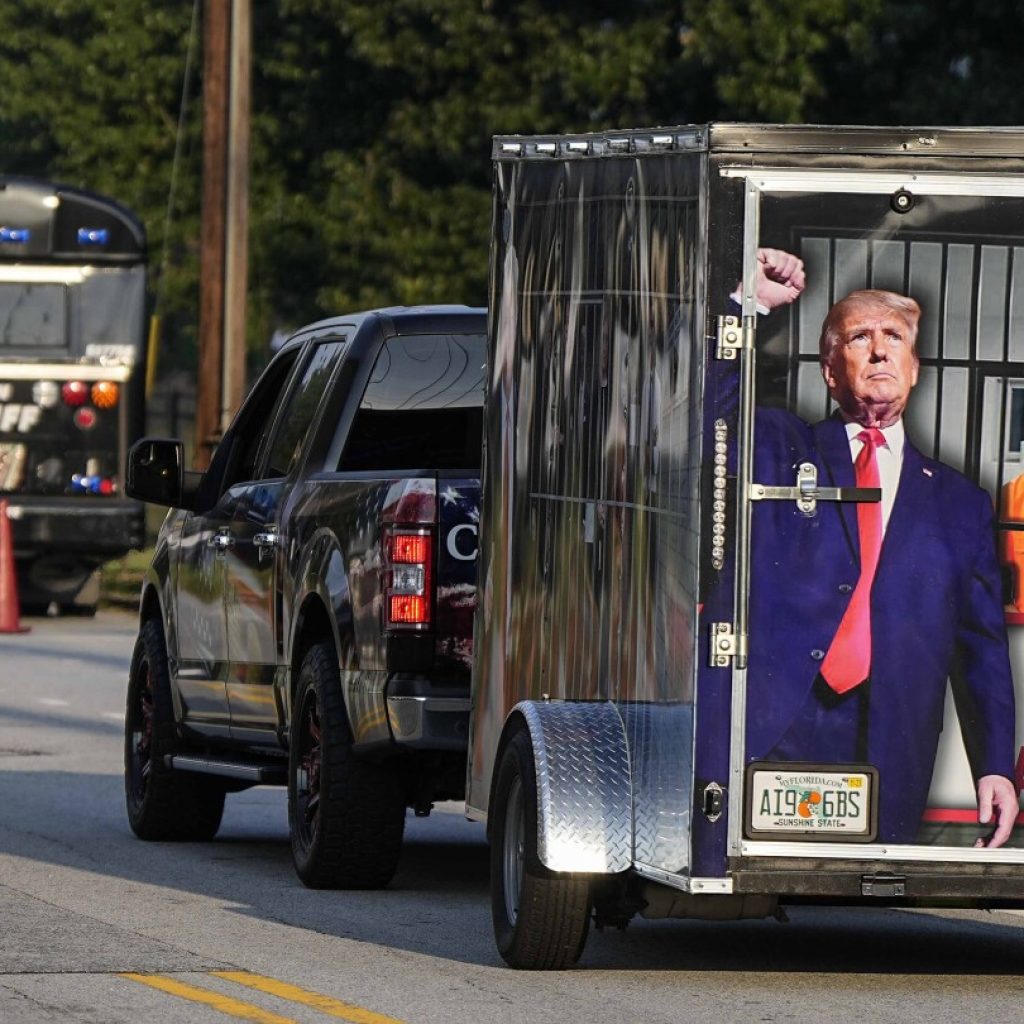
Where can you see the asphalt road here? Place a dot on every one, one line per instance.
(98, 927)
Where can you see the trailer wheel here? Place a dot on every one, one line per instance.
(540, 916)
(346, 816)
(162, 804)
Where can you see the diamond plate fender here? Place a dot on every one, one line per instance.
(660, 738)
(584, 804)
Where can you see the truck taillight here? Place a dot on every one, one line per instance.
(409, 577)
(409, 610)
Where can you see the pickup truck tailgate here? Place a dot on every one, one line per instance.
(458, 514)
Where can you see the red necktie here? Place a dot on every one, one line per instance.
(849, 657)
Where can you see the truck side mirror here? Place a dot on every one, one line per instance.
(156, 474)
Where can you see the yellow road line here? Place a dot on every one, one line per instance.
(224, 1004)
(332, 1007)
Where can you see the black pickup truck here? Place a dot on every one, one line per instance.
(307, 616)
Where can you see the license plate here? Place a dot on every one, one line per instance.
(811, 802)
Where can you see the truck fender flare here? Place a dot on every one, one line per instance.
(151, 598)
(584, 798)
(157, 602)
(323, 579)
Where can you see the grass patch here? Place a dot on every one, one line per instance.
(121, 579)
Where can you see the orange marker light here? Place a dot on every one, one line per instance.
(105, 394)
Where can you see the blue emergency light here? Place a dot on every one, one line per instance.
(93, 236)
(14, 236)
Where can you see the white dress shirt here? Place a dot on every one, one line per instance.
(890, 461)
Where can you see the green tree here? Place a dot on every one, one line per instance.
(932, 62)
(407, 95)
(372, 119)
(89, 96)
(924, 62)
(770, 61)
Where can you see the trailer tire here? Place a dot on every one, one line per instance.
(346, 816)
(162, 804)
(540, 917)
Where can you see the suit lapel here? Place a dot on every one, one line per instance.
(911, 494)
(833, 448)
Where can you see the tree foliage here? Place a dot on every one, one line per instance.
(770, 61)
(89, 96)
(372, 121)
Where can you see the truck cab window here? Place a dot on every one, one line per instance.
(237, 455)
(422, 407)
(300, 410)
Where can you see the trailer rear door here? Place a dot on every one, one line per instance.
(889, 769)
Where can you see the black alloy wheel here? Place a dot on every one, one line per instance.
(346, 814)
(162, 804)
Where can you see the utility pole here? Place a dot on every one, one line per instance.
(223, 258)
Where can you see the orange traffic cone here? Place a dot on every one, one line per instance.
(9, 612)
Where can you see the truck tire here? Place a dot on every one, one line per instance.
(540, 917)
(162, 804)
(346, 816)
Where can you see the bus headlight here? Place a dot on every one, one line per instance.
(45, 393)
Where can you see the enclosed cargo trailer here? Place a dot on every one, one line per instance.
(675, 533)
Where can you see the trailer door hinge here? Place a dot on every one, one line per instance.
(725, 644)
(730, 336)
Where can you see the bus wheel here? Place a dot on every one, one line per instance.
(162, 804)
(346, 815)
(540, 916)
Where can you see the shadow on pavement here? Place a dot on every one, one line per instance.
(438, 904)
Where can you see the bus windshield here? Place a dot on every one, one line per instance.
(33, 315)
(84, 312)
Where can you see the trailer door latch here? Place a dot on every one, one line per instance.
(714, 801)
(807, 493)
(883, 886)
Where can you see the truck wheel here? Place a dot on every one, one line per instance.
(346, 816)
(162, 804)
(540, 917)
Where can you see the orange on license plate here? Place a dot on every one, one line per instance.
(808, 802)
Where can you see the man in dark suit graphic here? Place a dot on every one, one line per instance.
(860, 613)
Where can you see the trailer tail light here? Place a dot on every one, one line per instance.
(409, 578)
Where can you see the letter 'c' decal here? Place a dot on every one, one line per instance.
(453, 549)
